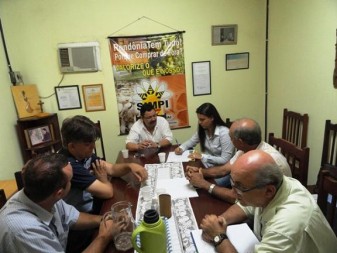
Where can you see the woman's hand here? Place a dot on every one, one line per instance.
(178, 151)
(195, 155)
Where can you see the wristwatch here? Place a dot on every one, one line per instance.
(210, 189)
(219, 238)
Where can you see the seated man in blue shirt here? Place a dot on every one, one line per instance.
(90, 178)
(36, 219)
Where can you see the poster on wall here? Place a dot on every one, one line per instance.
(149, 69)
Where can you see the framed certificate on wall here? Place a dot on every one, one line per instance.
(93, 97)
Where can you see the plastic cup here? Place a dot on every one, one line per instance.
(125, 153)
(162, 157)
(146, 192)
(160, 191)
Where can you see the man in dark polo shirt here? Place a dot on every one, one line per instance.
(90, 173)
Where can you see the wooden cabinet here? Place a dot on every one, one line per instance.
(38, 135)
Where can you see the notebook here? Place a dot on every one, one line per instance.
(240, 235)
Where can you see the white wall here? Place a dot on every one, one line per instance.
(302, 56)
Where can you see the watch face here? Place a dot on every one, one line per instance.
(216, 239)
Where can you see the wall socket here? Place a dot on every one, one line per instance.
(16, 77)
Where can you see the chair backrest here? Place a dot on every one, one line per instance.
(18, 179)
(101, 148)
(329, 152)
(3, 198)
(327, 194)
(228, 122)
(295, 128)
(298, 158)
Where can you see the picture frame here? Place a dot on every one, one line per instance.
(93, 96)
(27, 101)
(201, 78)
(237, 61)
(68, 97)
(38, 135)
(224, 34)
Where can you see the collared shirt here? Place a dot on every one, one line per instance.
(218, 149)
(139, 132)
(27, 227)
(279, 159)
(292, 222)
(81, 180)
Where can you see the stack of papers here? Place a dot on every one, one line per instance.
(172, 157)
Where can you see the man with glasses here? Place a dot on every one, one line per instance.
(286, 217)
(245, 135)
(36, 219)
(150, 131)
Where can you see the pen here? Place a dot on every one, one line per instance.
(195, 245)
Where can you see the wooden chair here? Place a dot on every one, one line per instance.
(329, 151)
(3, 198)
(18, 179)
(327, 194)
(228, 122)
(298, 158)
(102, 150)
(295, 128)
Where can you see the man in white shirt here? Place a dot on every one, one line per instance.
(150, 131)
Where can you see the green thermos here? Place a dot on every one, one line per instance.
(152, 234)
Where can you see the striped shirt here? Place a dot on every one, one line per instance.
(27, 227)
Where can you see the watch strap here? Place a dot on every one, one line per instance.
(221, 237)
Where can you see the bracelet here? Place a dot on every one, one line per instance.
(210, 189)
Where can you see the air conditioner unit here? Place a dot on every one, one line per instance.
(79, 57)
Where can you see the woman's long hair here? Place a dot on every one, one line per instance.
(208, 110)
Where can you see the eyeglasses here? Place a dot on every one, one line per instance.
(240, 190)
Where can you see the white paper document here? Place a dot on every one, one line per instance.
(172, 157)
(177, 188)
(240, 235)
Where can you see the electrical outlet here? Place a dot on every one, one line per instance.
(16, 77)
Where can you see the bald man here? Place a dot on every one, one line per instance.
(286, 217)
(245, 135)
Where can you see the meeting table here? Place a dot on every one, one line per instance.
(126, 188)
